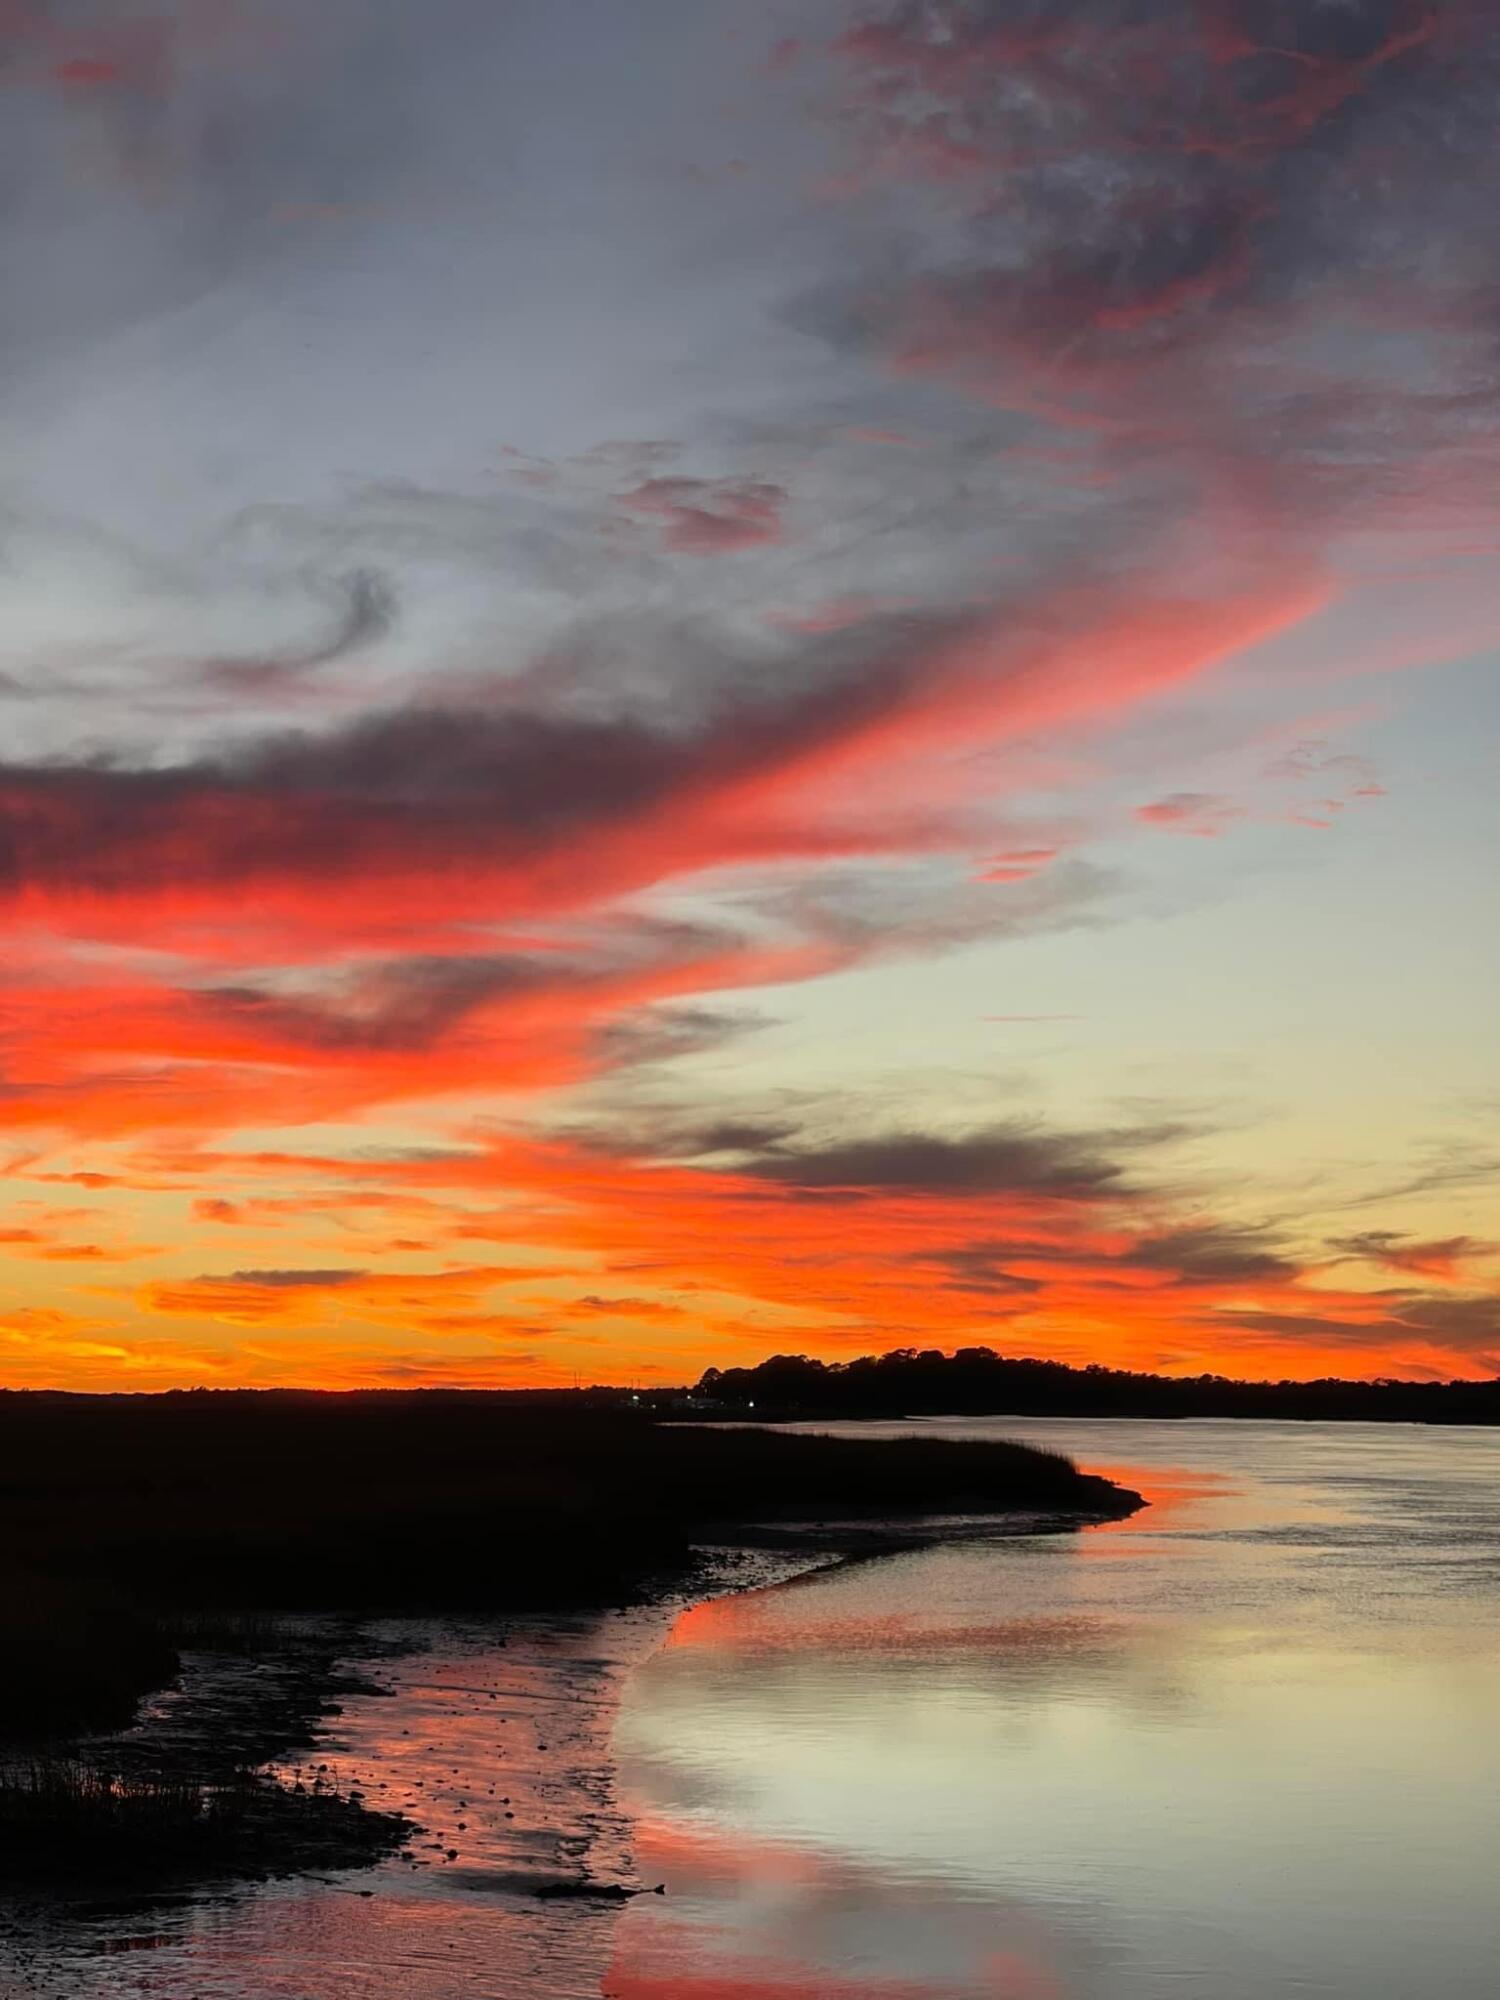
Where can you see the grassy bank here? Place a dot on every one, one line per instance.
(238, 1503)
(80, 1822)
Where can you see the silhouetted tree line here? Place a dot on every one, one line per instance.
(978, 1382)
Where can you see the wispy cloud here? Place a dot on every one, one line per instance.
(548, 603)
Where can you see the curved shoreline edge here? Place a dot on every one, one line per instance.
(72, 1813)
(340, 1679)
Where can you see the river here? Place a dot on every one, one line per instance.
(1244, 1745)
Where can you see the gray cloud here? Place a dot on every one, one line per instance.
(290, 1280)
(981, 1268)
(407, 1004)
(432, 783)
(367, 614)
(1178, 224)
(1015, 1157)
(1398, 1252)
(1196, 1254)
(412, 1003)
(1449, 1166)
(1209, 1253)
(1468, 1322)
(666, 1034)
(934, 905)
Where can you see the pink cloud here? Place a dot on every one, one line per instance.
(708, 517)
(1018, 865)
(1198, 813)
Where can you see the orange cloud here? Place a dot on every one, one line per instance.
(1028, 1240)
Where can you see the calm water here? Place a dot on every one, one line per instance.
(1244, 1746)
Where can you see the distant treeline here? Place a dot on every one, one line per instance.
(978, 1382)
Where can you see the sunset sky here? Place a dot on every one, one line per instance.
(689, 678)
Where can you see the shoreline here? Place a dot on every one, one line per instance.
(558, 1859)
(306, 1711)
(492, 1573)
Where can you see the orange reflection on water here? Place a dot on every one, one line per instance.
(764, 1920)
(792, 1984)
(1170, 1492)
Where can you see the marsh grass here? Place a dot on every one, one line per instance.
(243, 1634)
(73, 1657)
(76, 1820)
(138, 1527)
(215, 1512)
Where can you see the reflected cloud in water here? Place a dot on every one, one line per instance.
(1237, 1746)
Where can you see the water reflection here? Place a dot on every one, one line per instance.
(830, 1928)
(498, 1746)
(1239, 1746)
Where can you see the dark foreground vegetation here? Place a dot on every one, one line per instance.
(89, 1825)
(978, 1382)
(134, 1527)
(241, 1502)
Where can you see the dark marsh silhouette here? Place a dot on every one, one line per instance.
(86, 1824)
(133, 1526)
(435, 1500)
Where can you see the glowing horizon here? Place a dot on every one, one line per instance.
(685, 683)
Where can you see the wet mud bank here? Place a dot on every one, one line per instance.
(427, 1806)
(445, 1785)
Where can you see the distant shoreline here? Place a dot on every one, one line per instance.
(978, 1382)
(794, 1418)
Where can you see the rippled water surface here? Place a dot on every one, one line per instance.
(1243, 1746)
